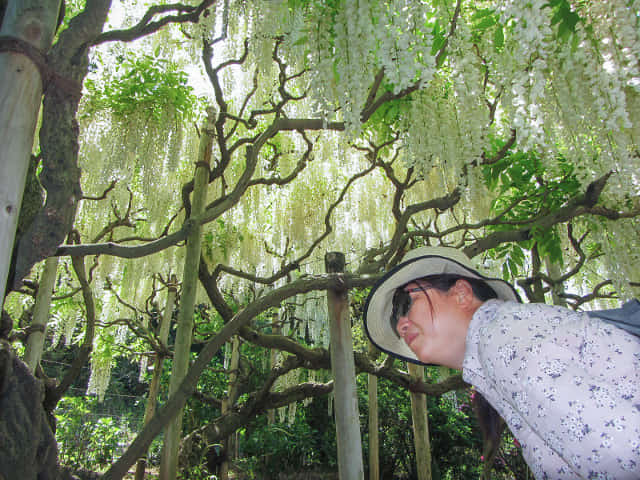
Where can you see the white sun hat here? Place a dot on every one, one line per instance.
(418, 263)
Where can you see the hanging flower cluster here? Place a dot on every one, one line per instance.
(527, 53)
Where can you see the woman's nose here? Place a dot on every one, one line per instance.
(403, 324)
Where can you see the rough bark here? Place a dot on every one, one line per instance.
(28, 448)
(68, 60)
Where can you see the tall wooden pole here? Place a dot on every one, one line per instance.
(350, 464)
(420, 426)
(35, 341)
(374, 439)
(32, 22)
(182, 349)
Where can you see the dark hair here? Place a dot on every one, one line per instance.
(445, 281)
(491, 426)
(490, 422)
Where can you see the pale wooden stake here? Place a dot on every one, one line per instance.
(350, 465)
(35, 341)
(182, 349)
(374, 439)
(420, 426)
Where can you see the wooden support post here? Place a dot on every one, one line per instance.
(374, 440)
(350, 465)
(35, 341)
(420, 426)
(173, 432)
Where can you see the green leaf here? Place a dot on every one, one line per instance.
(565, 18)
(498, 38)
(517, 256)
(438, 38)
(482, 13)
(505, 271)
(486, 23)
(513, 268)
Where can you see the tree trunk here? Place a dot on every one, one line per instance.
(537, 288)
(182, 349)
(554, 272)
(350, 464)
(33, 22)
(374, 439)
(35, 341)
(154, 388)
(67, 67)
(227, 404)
(420, 426)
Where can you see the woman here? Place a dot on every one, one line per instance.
(566, 384)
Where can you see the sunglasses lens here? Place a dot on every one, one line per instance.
(401, 305)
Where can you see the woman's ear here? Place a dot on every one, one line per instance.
(463, 293)
(465, 298)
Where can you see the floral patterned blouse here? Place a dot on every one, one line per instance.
(567, 385)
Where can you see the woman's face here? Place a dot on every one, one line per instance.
(436, 323)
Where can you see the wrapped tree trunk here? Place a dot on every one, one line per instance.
(35, 341)
(420, 426)
(27, 31)
(182, 349)
(350, 464)
(154, 388)
(536, 289)
(554, 272)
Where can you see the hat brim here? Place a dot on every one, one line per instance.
(377, 310)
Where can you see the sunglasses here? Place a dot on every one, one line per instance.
(401, 304)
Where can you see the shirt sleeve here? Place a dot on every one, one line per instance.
(567, 386)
